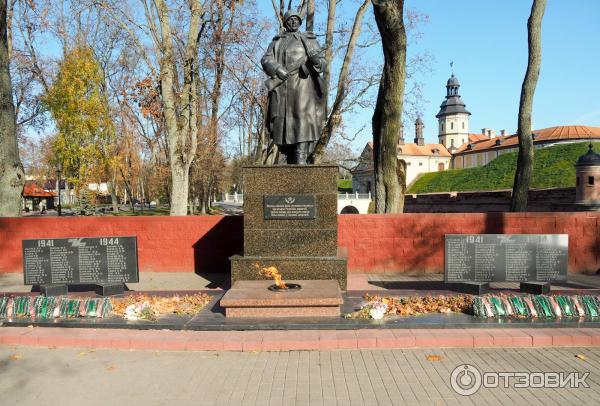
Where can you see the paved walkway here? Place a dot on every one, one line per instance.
(164, 281)
(34, 376)
(161, 281)
(229, 208)
(401, 280)
(289, 340)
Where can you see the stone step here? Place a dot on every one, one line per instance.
(314, 298)
(287, 340)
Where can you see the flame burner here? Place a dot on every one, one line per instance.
(290, 287)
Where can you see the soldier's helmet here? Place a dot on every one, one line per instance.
(291, 13)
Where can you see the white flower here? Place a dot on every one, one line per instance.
(131, 312)
(377, 310)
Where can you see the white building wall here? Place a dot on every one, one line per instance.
(454, 130)
(99, 188)
(416, 165)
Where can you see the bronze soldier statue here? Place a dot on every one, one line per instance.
(296, 100)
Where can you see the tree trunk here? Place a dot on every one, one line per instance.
(310, 15)
(113, 193)
(329, 49)
(201, 193)
(204, 202)
(525, 159)
(128, 192)
(271, 155)
(191, 205)
(58, 197)
(180, 189)
(114, 200)
(267, 152)
(388, 111)
(67, 193)
(180, 110)
(209, 194)
(11, 169)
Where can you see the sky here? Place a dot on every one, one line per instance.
(487, 41)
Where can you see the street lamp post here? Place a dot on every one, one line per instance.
(58, 171)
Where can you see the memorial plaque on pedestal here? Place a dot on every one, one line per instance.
(506, 257)
(290, 207)
(290, 211)
(72, 261)
(290, 222)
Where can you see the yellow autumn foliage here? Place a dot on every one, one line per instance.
(85, 141)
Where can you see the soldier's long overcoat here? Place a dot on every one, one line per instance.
(296, 107)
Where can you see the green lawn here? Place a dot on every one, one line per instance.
(344, 185)
(146, 212)
(553, 167)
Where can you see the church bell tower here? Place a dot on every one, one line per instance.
(453, 118)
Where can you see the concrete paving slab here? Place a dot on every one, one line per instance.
(409, 283)
(337, 377)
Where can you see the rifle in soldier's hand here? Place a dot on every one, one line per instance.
(282, 74)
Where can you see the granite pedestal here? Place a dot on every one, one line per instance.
(319, 298)
(248, 267)
(535, 288)
(54, 290)
(299, 237)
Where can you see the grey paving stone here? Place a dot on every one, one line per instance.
(382, 377)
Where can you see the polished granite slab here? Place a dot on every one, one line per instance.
(212, 318)
(297, 268)
(312, 298)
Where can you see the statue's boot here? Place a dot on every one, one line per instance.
(289, 151)
(290, 158)
(302, 153)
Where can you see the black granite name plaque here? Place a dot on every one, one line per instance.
(71, 261)
(290, 207)
(506, 257)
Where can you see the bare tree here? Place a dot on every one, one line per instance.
(180, 110)
(388, 111)
(310, 15)
(525, 159)
(174, 29)
(11, 170)
(30, 72)
(333, 119)
(244, 101)
(71, 23)
(139, 118)
(224, 30)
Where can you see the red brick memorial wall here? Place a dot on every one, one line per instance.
(165, 244)
(375, 243)
(415, 242)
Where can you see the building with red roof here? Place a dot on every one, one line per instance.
(34, 194)
(458, 147)
(480, 152)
